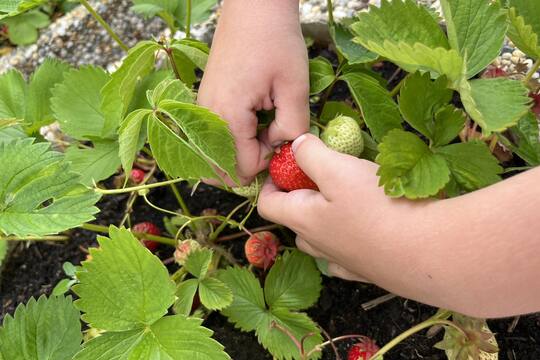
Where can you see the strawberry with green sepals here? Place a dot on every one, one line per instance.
(147, 228)
(285, 172)
(253, 189)
(261, 249)
(363, 350)
(137, 176)
(343, 134)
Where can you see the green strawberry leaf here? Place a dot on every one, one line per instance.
(63, 287)
(124, 286)
(527, 139)
(196, 51)
(131, 130)
(495, 104)
(371, 149)
(354, 53)
(409, 168)
(293, 282)
(48, 328)
(12, 95)
(379, 111)
(214, 294)
(471, 164)
(38, 99)
(148, 83)
(185, 293)
(206, 132)
(398, 22)
(170, 89)
(449, 121)
(118, 93)
(333, 109)
(522, 34)
(76, 102)
(12, 8)
(200, 11)
(171, 337)
(476, 29)
(39, 195)
(198, 262)
(530, 13)
(168, 146)
(23, 28)
(94, 164)
(11, 133)
(321, 75)
(420, 98)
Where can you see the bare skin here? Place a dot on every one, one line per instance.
(476, 254)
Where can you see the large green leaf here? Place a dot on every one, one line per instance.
(354, 53)
(171, 338)
(398, 22)
(472, 165)
(530, 11)
(333, 109)
(449, 121)
(39, 195)
(321, 75)
(24, 28)
(76, 102)
(476, 29)
(174, 154)
(380, 112)
(38, 101)
(206, 132)
(196, 51)
(118, 92)
(527, 139)
(148, 83)
(10, 8)
(198, 262)
(200, 11)
(94, 164)
(11, 133)
(12, 95)
(409, 168)
(420, 98)
(124, 286)
(129, 134)
(293, 282)
(185, 293)
(170, 89)
(214, 294)
(495, 104)
(48, 328)
(522, 34)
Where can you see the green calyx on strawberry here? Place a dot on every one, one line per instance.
(343, 134)
(253, 189)
(285, 172)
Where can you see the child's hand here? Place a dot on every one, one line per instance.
(350, 222)
(258, 61)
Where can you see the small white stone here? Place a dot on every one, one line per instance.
(515, 59)
(518, 53)
(506, 56)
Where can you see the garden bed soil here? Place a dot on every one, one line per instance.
(34, 269)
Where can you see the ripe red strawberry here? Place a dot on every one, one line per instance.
(494, 72)
(137, 176)
(147, 228)
(261, 249)
(363, 350)
(536, 103)
(285, 172)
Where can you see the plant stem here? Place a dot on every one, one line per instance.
(180, 199)
(188, 19)
(330, 10)
(103, 23)
(423, 325)
(396, 89)
(155, 207)
(325, 96)
(138, 235)
(35, 238)
(242, 234)
(331, 341)
(213, 236)
(533, 70)
(136, 188)
(173, 64)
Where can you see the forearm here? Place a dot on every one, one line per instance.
(478, 253)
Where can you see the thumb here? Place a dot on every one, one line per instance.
(319, 162)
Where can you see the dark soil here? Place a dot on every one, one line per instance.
(34, 269)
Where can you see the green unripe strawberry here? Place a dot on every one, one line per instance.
(251, 190)
(343, 134)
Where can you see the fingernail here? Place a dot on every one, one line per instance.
(296, 143)
(277, 143)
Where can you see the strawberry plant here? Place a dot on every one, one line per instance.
(438, 133)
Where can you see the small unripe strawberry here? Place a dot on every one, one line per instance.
(494, 72)
(261, 249)
(183, 249)
(285, 172)
(343, 134)
(363, 350)
(137, 176)
(251, 190)
(148, 228)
